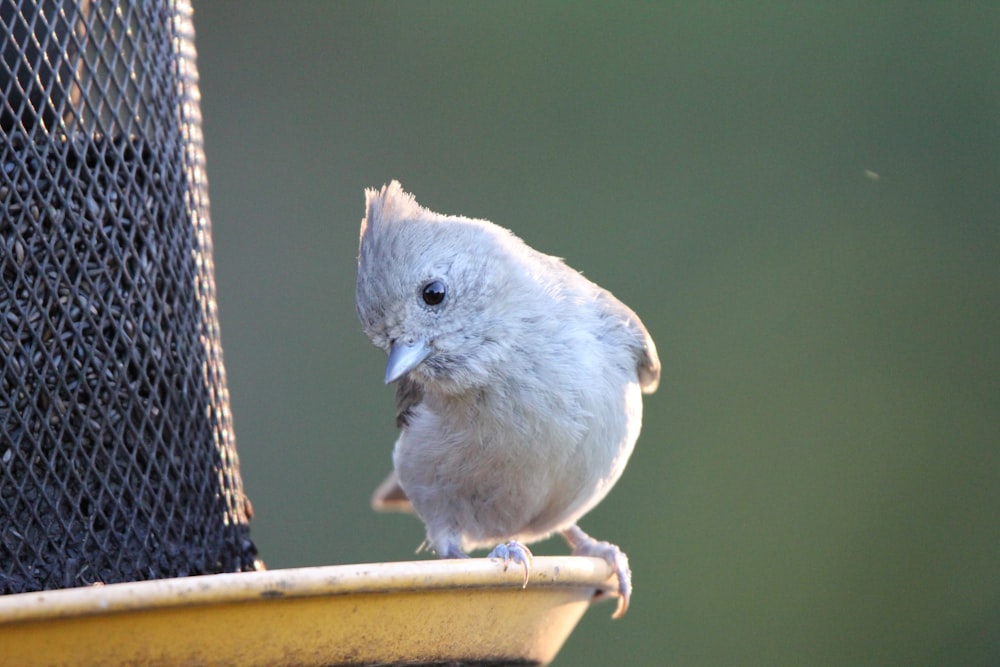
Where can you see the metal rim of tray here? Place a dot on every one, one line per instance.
(412, 612)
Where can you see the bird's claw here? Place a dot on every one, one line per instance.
(514, 552)
(585, 545)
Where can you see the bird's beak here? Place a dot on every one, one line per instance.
(404, 357)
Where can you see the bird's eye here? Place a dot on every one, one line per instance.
(433, 293)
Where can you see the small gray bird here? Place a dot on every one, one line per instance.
(519, 382)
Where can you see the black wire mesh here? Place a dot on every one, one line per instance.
(117, 455)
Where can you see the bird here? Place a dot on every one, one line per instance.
(519, 382)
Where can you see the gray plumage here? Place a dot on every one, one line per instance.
(520, 381)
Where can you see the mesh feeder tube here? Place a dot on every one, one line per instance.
(117, 454)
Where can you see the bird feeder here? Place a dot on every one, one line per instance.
(119, 477)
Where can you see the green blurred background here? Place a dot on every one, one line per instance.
(801, 200)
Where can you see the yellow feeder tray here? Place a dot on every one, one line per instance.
(412, 613)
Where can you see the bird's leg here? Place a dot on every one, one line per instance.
(585, 545)
(514, 552)
(448, 547)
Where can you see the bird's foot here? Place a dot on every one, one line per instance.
(514, 552)
(585, 545)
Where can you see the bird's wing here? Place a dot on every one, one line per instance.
(647, 363)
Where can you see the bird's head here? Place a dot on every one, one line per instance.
(431, 290)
